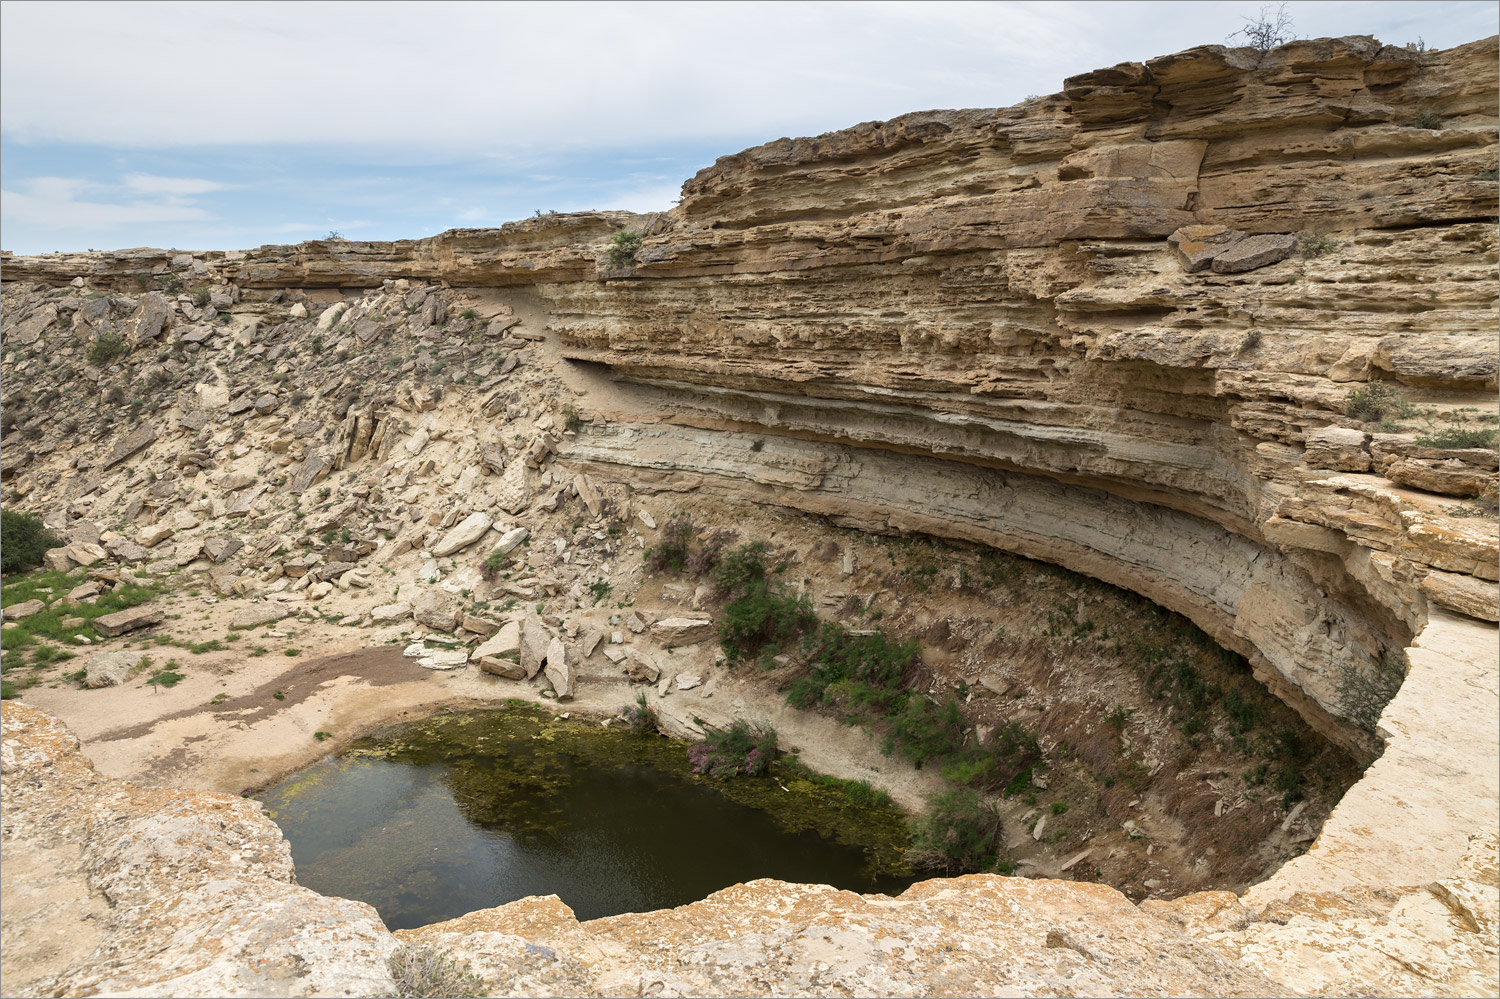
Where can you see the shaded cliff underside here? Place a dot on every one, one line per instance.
(973, 325)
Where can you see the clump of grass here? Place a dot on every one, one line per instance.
(639, 717)
(108, 348)
(1450, 438)
(1316, 244)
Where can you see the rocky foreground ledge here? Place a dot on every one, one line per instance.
(114, 889)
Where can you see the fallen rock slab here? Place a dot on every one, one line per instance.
(675, 631)
(559, 673)
(1253, 252)
(16, 612)
(259, 614)
(133, 619)
(444, 659)
(463, 534)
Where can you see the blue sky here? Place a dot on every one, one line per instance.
(225, 125)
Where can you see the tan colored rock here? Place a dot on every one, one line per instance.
(1337, 448)
(679, 631)
(465, 533)
(24, 609)
(436, 611)
(1198, 245)
(1253, 252)
(106, 669)
(150, 537)
(123, 621)
(258, 614)
(558, 672)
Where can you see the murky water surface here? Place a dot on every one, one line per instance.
(435, 819)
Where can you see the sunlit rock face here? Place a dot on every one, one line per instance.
(1068, 329)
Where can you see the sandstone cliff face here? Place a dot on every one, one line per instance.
(991, 325)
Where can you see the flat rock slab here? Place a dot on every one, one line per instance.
(1198, 245)
(259, 614)
(123, 621)
(16, 612)
(675, 631)
(463, 534)
(444, 659)
(559, 673)
(504, 644)
(1253, 252)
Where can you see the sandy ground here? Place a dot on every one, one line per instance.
(251, 738)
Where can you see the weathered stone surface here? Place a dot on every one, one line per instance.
(131, 619)
(150, 537)
(534, 641)
(137, 440)
(1337, 448)
(256, 615)
(390, 612)
(443, 659)
(463, 534)
(639, 666)
(677, 631)
(24, 609)
(436, 611)
(510, 540)
(1198, 245)
(105, 669)
(558, 672)
(1253, 252)
(221, 549)
(479, 625)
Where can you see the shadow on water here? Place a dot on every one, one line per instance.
(461, 812)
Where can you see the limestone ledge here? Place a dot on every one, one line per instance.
(156, 892)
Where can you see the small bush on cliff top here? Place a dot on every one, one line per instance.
(1457, 437)
(431, 973)
(24, 539)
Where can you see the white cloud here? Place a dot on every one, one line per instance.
(68, 204)
(481, 79)
(145, 183)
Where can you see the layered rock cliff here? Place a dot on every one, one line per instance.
(1131, 328)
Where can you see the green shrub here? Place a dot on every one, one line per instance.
(925, 729)
(108, 348)
(24, 539)
(741, 748)
(1364, 693)
(1316, 244)
(1426, 119)
(1375, 401)
(623, 248)
(640, 718)
(868, 670)
(1003, 764)
(759, 612)
(960, 833)
(1457, 437)
(671, 552)
(493, 565)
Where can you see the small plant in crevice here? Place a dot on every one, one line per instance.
(740, 749)
(1427, 119)
(623, 247)
(108, 348)
(494, 565)
(1316, 244)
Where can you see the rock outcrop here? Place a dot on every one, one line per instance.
(1215, 328)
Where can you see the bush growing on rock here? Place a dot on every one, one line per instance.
(1375, 401)
(639, 717)
(24, 539)
(623, 247)
(109, 347)
(926, 729)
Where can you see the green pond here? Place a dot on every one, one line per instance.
(464, 811)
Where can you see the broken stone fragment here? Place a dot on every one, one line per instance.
(505, 643)
(479, 625)
(436, 611)
(1337, 448)
(154, 535)
(1253, 252)
(676, 631)
(464, 534)
(638, 665)
(1198, 245)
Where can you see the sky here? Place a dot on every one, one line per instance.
(233, 125)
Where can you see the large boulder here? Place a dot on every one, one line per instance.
(258, 614)
(137, 439)
(503, 644)
(640, 667)
(105, 669)
(534, 640)
(1254, 251)
(463, 534)
(559, 673)
(16, 612)
(1198, 245)
(132, 619)
(435, 611)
